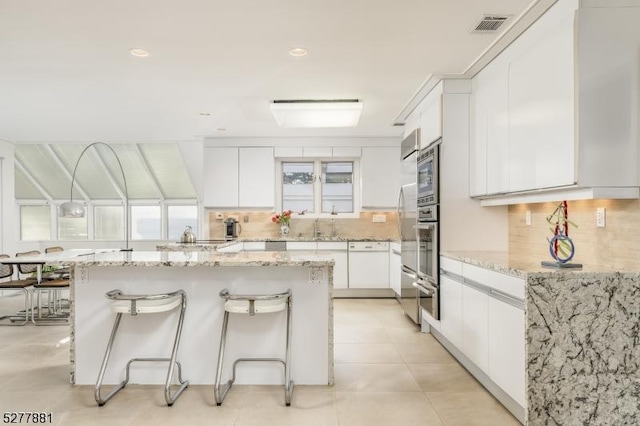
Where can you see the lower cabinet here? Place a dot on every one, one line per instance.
(337, 250)
(482, 315)
(507, 348)
(475, 321)
(451, 310)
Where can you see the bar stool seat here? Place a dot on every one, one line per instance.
(252, 305)
(146, 306)
(134, 304)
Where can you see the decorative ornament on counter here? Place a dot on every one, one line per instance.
(284, 220)
(561, 247)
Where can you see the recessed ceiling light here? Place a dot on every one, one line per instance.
(205, 114)
(222, 129)
(140, 53)
(298, 51)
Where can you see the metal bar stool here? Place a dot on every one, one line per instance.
(252, 305)
(145, 304)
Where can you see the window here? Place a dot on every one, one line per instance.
(146, 223)
(178, 218)
(72, 228)
(35, 223)
(108, 222)
(318, 187)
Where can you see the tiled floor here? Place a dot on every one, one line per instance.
(387, 373)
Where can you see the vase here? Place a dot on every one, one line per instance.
(284, 230)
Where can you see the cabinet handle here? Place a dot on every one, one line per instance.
(506, 298)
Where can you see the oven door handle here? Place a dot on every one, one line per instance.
(425, 287)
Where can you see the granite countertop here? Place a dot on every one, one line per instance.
(202, 258)
(213, 246)
(523, 266)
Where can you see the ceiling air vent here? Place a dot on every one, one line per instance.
(489, 23)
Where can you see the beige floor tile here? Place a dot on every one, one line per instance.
(450, 377)
(374, 378)
(366, 353)
(384, 409)
(394, 319)
(341, 318)
(307, 408)
(406, 335)
(428, 350)
(360, 334)
(470, 409)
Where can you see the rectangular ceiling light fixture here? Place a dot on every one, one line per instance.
(317, 113)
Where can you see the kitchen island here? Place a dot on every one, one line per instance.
(581, 328)
(203, 274)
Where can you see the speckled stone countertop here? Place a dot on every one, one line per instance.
(582, 328)
(202, 258)
(521, 266)
(213, 246)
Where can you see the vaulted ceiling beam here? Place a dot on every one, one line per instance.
(147, 166)
(33, 180)
(77, 188)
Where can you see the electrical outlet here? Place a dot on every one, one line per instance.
(527, 217)
(245, 219)
(379, 218)
(601, 219)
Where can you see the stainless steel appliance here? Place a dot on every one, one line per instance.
(427, 282)
(427, 166)
(407, 219)
(231, 229)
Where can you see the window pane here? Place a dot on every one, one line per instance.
(297, 187)
(108, 222)
(35, 223)
(337, 187)
(179, 217)
(72, 228)
(145, 223)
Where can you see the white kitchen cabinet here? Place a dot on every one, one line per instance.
(256, 185)
(287, 151)
(231, 248)
(568, 78)
(431, 116)
(475, 323)
(541, 104)
(337, 250)
(506, 356)
(254, 246)
(395, 267)
(220, 177)
(302, 245)
(380, 168)
(451, 310)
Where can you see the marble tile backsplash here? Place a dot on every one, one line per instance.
(259, 225)
(617, 244)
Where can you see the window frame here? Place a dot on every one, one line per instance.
(317, 185)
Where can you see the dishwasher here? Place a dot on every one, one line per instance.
(368, 264)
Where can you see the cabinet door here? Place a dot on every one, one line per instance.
(431, 116)
(541, 103)
(220, 177)
(507, 348)
(475, 323)
(478, 138)
(340, 269)
(498, 131)
(451, 310)
(380, 178)
(256, 177)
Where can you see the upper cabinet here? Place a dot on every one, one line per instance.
(239, 177)
(431, 116)
(554, 111)
(380, 168)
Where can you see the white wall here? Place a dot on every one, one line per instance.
(8, 228)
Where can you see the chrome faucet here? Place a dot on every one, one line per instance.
(333, 227)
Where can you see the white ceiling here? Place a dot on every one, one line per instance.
(66, 73)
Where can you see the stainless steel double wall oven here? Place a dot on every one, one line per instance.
(418, 227)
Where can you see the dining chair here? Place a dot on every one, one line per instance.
(22, 285)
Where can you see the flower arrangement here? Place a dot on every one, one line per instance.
(283, 218)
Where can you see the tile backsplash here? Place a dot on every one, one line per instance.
(259, 225)
(617, 244)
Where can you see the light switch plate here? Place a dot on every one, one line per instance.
(379, 218)
(219, 215)
(601, 218)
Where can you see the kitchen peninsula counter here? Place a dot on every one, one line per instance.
(214, 246)
(581, 333)
(203, 274)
